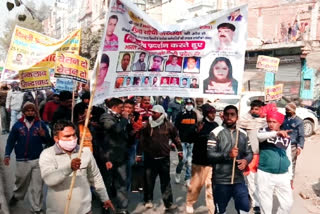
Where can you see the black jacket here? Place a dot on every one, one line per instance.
(186, 123)
(200, 143)
(114, 148)
(221, 141)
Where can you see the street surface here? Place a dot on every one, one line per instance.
(307, 183)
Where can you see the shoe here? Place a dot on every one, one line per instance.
(188, 183)
(189, 210)
(256, 210)
(148, 205)
(171, 208)
(13, 201)
(178, 178)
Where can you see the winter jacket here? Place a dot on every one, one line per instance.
(296, 125)
(186, 123)
(173, 109)
(275, 152)
(155, 141)
(200, 143)
(14, 100)
(114, 148)
(221, 141)
(27, 143)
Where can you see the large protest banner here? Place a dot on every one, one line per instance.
(34, 79)
(71, 66)
(199, 57)
(32, 49)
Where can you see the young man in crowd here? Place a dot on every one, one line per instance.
(154, 143)
(175, 106)
(64, 110)
(57, 164)
(275, 169)
(251, 123)
(144, 108)
(14, 102)
(113, 153)
(186, 123)
(221, 150)
(201, 169)
(50, 107)
(3, 111)
(27, 137)
(295, 124)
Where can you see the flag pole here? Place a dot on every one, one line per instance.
(66, 210)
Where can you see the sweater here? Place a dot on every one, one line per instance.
(27, 143)
(56, 172)
(275, 152)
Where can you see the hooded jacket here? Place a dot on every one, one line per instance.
(221, 141)
(27, 143)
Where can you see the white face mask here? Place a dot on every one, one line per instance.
(189, 107)
(68, 145)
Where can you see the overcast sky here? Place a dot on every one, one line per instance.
(5, 14)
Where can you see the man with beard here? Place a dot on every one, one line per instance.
(27, 138)
(140, 65)
(221, 151)
(144, 108)
(154, 143)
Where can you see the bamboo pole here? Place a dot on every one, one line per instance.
(73, 101)
(66, 210)
(236, 145)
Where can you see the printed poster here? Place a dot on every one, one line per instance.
(202, 57)
(268, 63)
(28, 48)
(71, 66)
(274, 92)
(63, 84)
(35, 79)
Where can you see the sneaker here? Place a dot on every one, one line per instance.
(13, 201)
(148, 205)
(256, 210)
(178, 178)
(188, 183)
(172, 207)
(189, 210)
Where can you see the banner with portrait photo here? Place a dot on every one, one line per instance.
(32, 49)
(35, 79)
(202, 57)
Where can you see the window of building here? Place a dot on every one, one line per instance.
(307, 84)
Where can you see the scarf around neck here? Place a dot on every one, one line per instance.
(157, 122)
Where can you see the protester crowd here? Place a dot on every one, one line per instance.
(127, 145)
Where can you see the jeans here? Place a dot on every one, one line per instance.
(187, 160)
(153, 168)
(115, 180)
(224, 192)
(15, 115)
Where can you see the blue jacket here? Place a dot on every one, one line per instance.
(297, 127)
(27, 143)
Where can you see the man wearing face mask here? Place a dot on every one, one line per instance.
(295, 124)
(251, 123)
(186, 123)
(26, 138)
(154, 142)
(57, 164)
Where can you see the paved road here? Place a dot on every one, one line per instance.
(136, 204)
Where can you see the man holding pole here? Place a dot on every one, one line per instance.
(225, 143)
(57, 164)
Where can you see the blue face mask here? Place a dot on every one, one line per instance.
(255, 115)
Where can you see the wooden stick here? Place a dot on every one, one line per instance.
(73, 101)
(236, 145)
(37, 107)
(66, 210)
